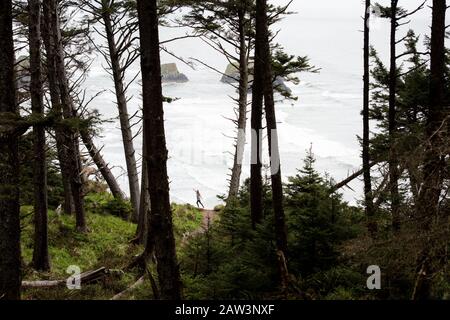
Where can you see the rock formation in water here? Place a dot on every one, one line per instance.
(231, 76)
(170, 74)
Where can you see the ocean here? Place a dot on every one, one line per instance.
(326, 116)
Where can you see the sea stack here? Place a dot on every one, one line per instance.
(231, 75)
(170, 74)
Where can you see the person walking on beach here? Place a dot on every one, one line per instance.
(199, 199)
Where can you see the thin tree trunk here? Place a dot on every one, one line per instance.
(61, 144)
(434, 166)
(61, 148)
(10, 261)
(144, 205)
(434, 153)
(156, 153)
(269, 103)
(127, 135)
(41, 259)
(101, 165)
(256, 124)
(393, 161)
(368, 196)
(69, 206)
(242, 118)
(73, 153)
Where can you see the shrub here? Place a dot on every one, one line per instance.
(119, 208)
(105, 203)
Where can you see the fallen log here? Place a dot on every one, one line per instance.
(43, 284)
(95, 275)
(102, 165)
(129, 289)
(345, 182)
(85, 278)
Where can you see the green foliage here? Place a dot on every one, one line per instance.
(287, 67)
(54, 182)
(120, 208)
(105, 245)
(219, 207)
(231, 260)
(340, 294)
(186, 219)
(442, 285)
(338, 283)
(106, 242)
(412, 105)
(412, 87)
(388, 12)
(105, 203)
(221, 23)
(412, 100)
(316, 221)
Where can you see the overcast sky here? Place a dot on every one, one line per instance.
(341, 8)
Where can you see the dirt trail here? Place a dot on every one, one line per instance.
(208, 218)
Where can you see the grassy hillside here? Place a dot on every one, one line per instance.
(106, 245)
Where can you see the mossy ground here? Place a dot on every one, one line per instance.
(107, 244)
